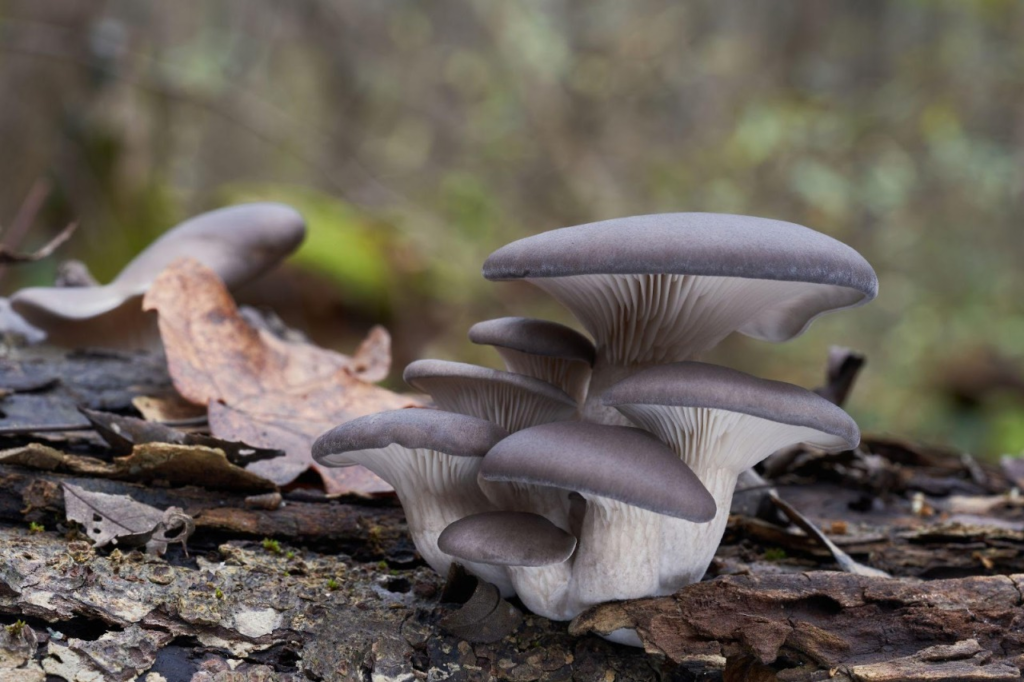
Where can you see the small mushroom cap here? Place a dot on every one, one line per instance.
(420, 374)
(712, 244)
(696, 384)
(617, 462)
(507, 538)
(414, 428)
(536, 337)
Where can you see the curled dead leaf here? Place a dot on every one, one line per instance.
(260, 389)
(118, 519)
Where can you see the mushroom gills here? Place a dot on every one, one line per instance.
(661, 318)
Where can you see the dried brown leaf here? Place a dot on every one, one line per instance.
(188, 465)
(259, 389)
(372, 360)
(118, 519)
(167, 408)
(123, 434)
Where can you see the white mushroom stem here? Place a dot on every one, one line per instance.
(717, 445)
(618, 554)
(546, 590)
(435, 490)
(551, 503)
(572, 376)
(605, 375)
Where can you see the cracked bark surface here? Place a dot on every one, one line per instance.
(839, 625)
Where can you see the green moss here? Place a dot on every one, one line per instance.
(272, 546)
(774, 554)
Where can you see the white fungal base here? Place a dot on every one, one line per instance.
(618, 555)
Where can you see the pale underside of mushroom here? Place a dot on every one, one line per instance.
(508, 406)
(717, 445)
(239, 243)
(435, 490)
(551, 503)
(642, 320)
(572, 376)
(91, 317)
(512, 401)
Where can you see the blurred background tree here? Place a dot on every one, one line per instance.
(418, 137)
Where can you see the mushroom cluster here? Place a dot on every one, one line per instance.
(592, 471)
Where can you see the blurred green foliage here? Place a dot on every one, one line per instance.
(418, 137)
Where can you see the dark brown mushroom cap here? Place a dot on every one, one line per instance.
(617, 462)
(536, 337)
(507, 538)
(712, 244)
(414, 428)
(421, 373)
(696, 384)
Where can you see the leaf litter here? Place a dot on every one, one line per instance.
(263, 390)
(120, 520)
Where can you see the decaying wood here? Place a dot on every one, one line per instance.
(289, 584)
(276, 614)
(848, 626)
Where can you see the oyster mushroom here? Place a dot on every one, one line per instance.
(658, 289)
(520, 542)
(720, 422)
(630, 481)
(238, 242)
(545, 350)
(431, 459)
(514, 401)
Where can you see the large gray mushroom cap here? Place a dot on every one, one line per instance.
(239, 243)
(616, 462)
(711, 244)
(457, 435)
(536, 337)
(506, 538)
(700, 385)
(513, 400)
(703, 244)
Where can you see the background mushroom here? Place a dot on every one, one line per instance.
(238, 242)
(720, 422)
(514, 401)
(630, 481)
(545, 350)
(431, 459)
(663, 288)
